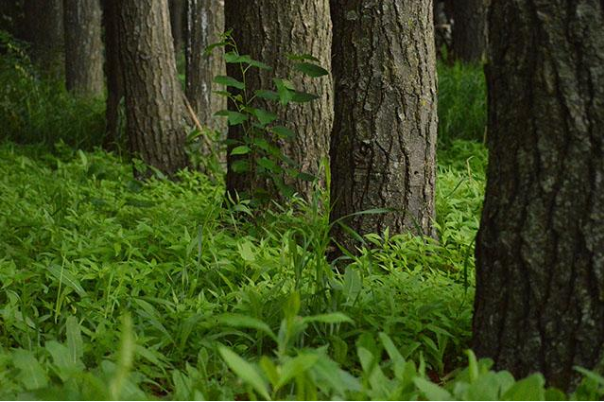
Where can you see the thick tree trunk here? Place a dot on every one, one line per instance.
(43, 28)
(113, 72)
(270, 30)
(540, 250)
(469, 29)
(83, 47)
(384, 137)
(177, 8)
(205, 24)
(155, 110)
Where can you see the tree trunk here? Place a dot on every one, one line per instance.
(469, 30)
(155, 110)
(113, 72)
(384, 137)
(43, 28)
(270, 30)
(11, 16)
(205, 24)
(83, 47)
(177, 8)
(540, 249)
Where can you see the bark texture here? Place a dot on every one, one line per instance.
(155, 110)
(470, 29)
(269, 30)
(43, 28)
(113, 72)
(83, 47)
(384, 137)
(205, 24)
(540, 250)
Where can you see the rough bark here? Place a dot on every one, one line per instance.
(205, 24)
(43, 28)
(469, 29)
(269, 30)
(540, 249)
(177, 8)
(83, 47)
(113, 72)
(155, 110)
(384, 137)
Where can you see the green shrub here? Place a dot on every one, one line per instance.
(39, 111)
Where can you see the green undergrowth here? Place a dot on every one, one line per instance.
(111, 288)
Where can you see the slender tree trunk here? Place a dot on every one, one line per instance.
(540, 249)
(155, 110)
(270, 30)
(113, 72)
(43, 28)
(83, 47)
(205, 24)
(384, 137)
(469, 30)
(177, 8)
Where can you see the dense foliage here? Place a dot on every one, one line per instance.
(113, 288)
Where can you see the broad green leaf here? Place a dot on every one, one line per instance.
(296, 366)
(33, 375)
(245, 371)
(283, 132)
(240, 166)
(432, 391)
(240, 150)
(234, 58)
(330, 318)
(310, 69)
(285, 89)
(268, 95)
(268, 165)
(270, 370)
(67, 279)
(74, 340)
(264, 116)
(303, 97)
(234, 118)
(528, 389)
(306, 176)
(229, 82)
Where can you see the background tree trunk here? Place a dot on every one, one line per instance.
(384, 137)
(540, 250)
(83, 47)
(205, 24)
(43, 28)
(155, 111)
(269, 30)
(177, 8)
(469, 29)
(113, 72)
(11, 16)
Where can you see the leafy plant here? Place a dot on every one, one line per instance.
(256, 149)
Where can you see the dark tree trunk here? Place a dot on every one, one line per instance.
(384, 137)
(113, 72)
(43, 28)
(205, 24)
(155, 110)
(11, 16)
(469, 29)
(540, 250)
(83, 47)
(269, 30)
(177, 8)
